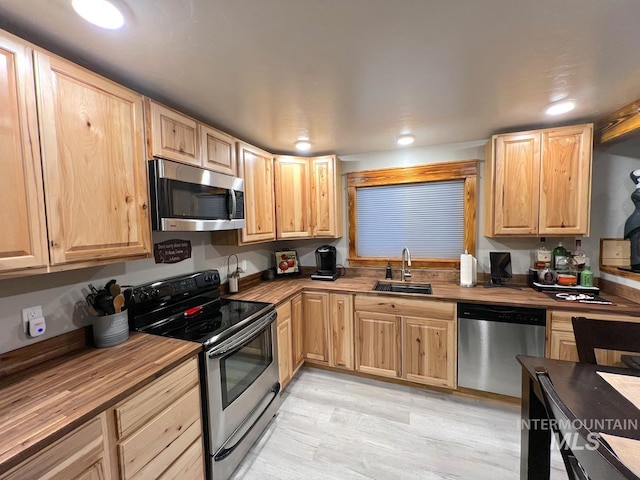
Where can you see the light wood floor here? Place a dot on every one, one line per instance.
(336, 426)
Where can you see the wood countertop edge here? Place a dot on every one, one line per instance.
(23, 450)
(293, 287)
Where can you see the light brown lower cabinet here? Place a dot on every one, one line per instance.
(285, 340)
(429, 351)
(316, 326)
(79, 455)
(407, 338)
(154, 434)
(341, 335)
(297, 332)
(561, 343)
(378, 343)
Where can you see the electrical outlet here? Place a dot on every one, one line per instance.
(30, 313)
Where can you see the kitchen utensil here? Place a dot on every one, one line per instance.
(118, 303)
(115, 290)
(109, 283)
(104, 302)
(92, 310)
(92, 288)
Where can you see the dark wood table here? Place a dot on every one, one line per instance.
(589, 397)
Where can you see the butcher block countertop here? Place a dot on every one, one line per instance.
(279, 290)
(44, 403)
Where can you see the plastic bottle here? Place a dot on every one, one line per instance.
(586, 276)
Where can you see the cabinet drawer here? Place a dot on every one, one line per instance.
(72, 456)
(163, 463)
(135, 411)
(190, 465)
(561, 320)
(140, 448)
(406, 307)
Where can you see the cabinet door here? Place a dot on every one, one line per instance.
(562, 346)
(326, 193)
(293, 199)
(516, 178)
(316, 326)
(341, 330)
(256, 167)
(23, 240)
(172, 135)
(565, 180)
(80, 455)
(378, 344)
(429, 351)
(218, 151)
(94, 168)
(284, 343)
(297, 332)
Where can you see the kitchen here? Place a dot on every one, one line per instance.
(60, 291)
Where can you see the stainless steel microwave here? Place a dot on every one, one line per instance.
(187, 198)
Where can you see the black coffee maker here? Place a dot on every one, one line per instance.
(325, 263)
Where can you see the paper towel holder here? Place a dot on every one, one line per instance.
(470, 282)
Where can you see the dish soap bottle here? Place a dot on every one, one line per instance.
(388, 275)
(586, 276)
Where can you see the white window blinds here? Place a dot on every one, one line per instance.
(427, 217)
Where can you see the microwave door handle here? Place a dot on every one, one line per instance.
(232, 194)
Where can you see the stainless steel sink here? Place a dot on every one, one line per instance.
(421, 288)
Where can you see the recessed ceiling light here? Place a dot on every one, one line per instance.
(303, 145)
(99, 12)
(405, 139)
(561, 107)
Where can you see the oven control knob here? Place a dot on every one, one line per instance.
(144, 295)
(208, 278)
(155, 293)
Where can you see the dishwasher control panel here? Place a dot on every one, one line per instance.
(503, 313)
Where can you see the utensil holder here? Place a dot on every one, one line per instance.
(111, 330)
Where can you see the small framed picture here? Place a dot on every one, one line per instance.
(287, 262)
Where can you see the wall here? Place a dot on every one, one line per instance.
(59, 293)
(610, 200)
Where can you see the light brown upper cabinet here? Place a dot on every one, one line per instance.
(94, 169)
(308, 197)
(539, 182)
(23, 240)
(172, 135)
(293, 197)
(175, 136)
(218, 150)
(255, 166)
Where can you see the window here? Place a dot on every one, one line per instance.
(430, 209)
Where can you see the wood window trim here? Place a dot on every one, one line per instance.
(466, 170)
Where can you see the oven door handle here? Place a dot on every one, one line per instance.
(242, 430)
(234, 343)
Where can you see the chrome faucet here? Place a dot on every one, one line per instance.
(406, 273)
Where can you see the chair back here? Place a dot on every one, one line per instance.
(585, 455)
(606, 334)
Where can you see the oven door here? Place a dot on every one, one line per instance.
(242, 383)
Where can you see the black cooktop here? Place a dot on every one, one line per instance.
(189, 307)
(205, 323)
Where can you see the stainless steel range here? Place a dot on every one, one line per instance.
(238, 365)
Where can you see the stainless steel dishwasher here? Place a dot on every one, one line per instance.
(489, 338)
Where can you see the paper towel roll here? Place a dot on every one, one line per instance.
(467, 270)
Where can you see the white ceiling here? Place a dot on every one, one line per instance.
(353, 74)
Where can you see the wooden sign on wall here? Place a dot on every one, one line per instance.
(172, 251)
